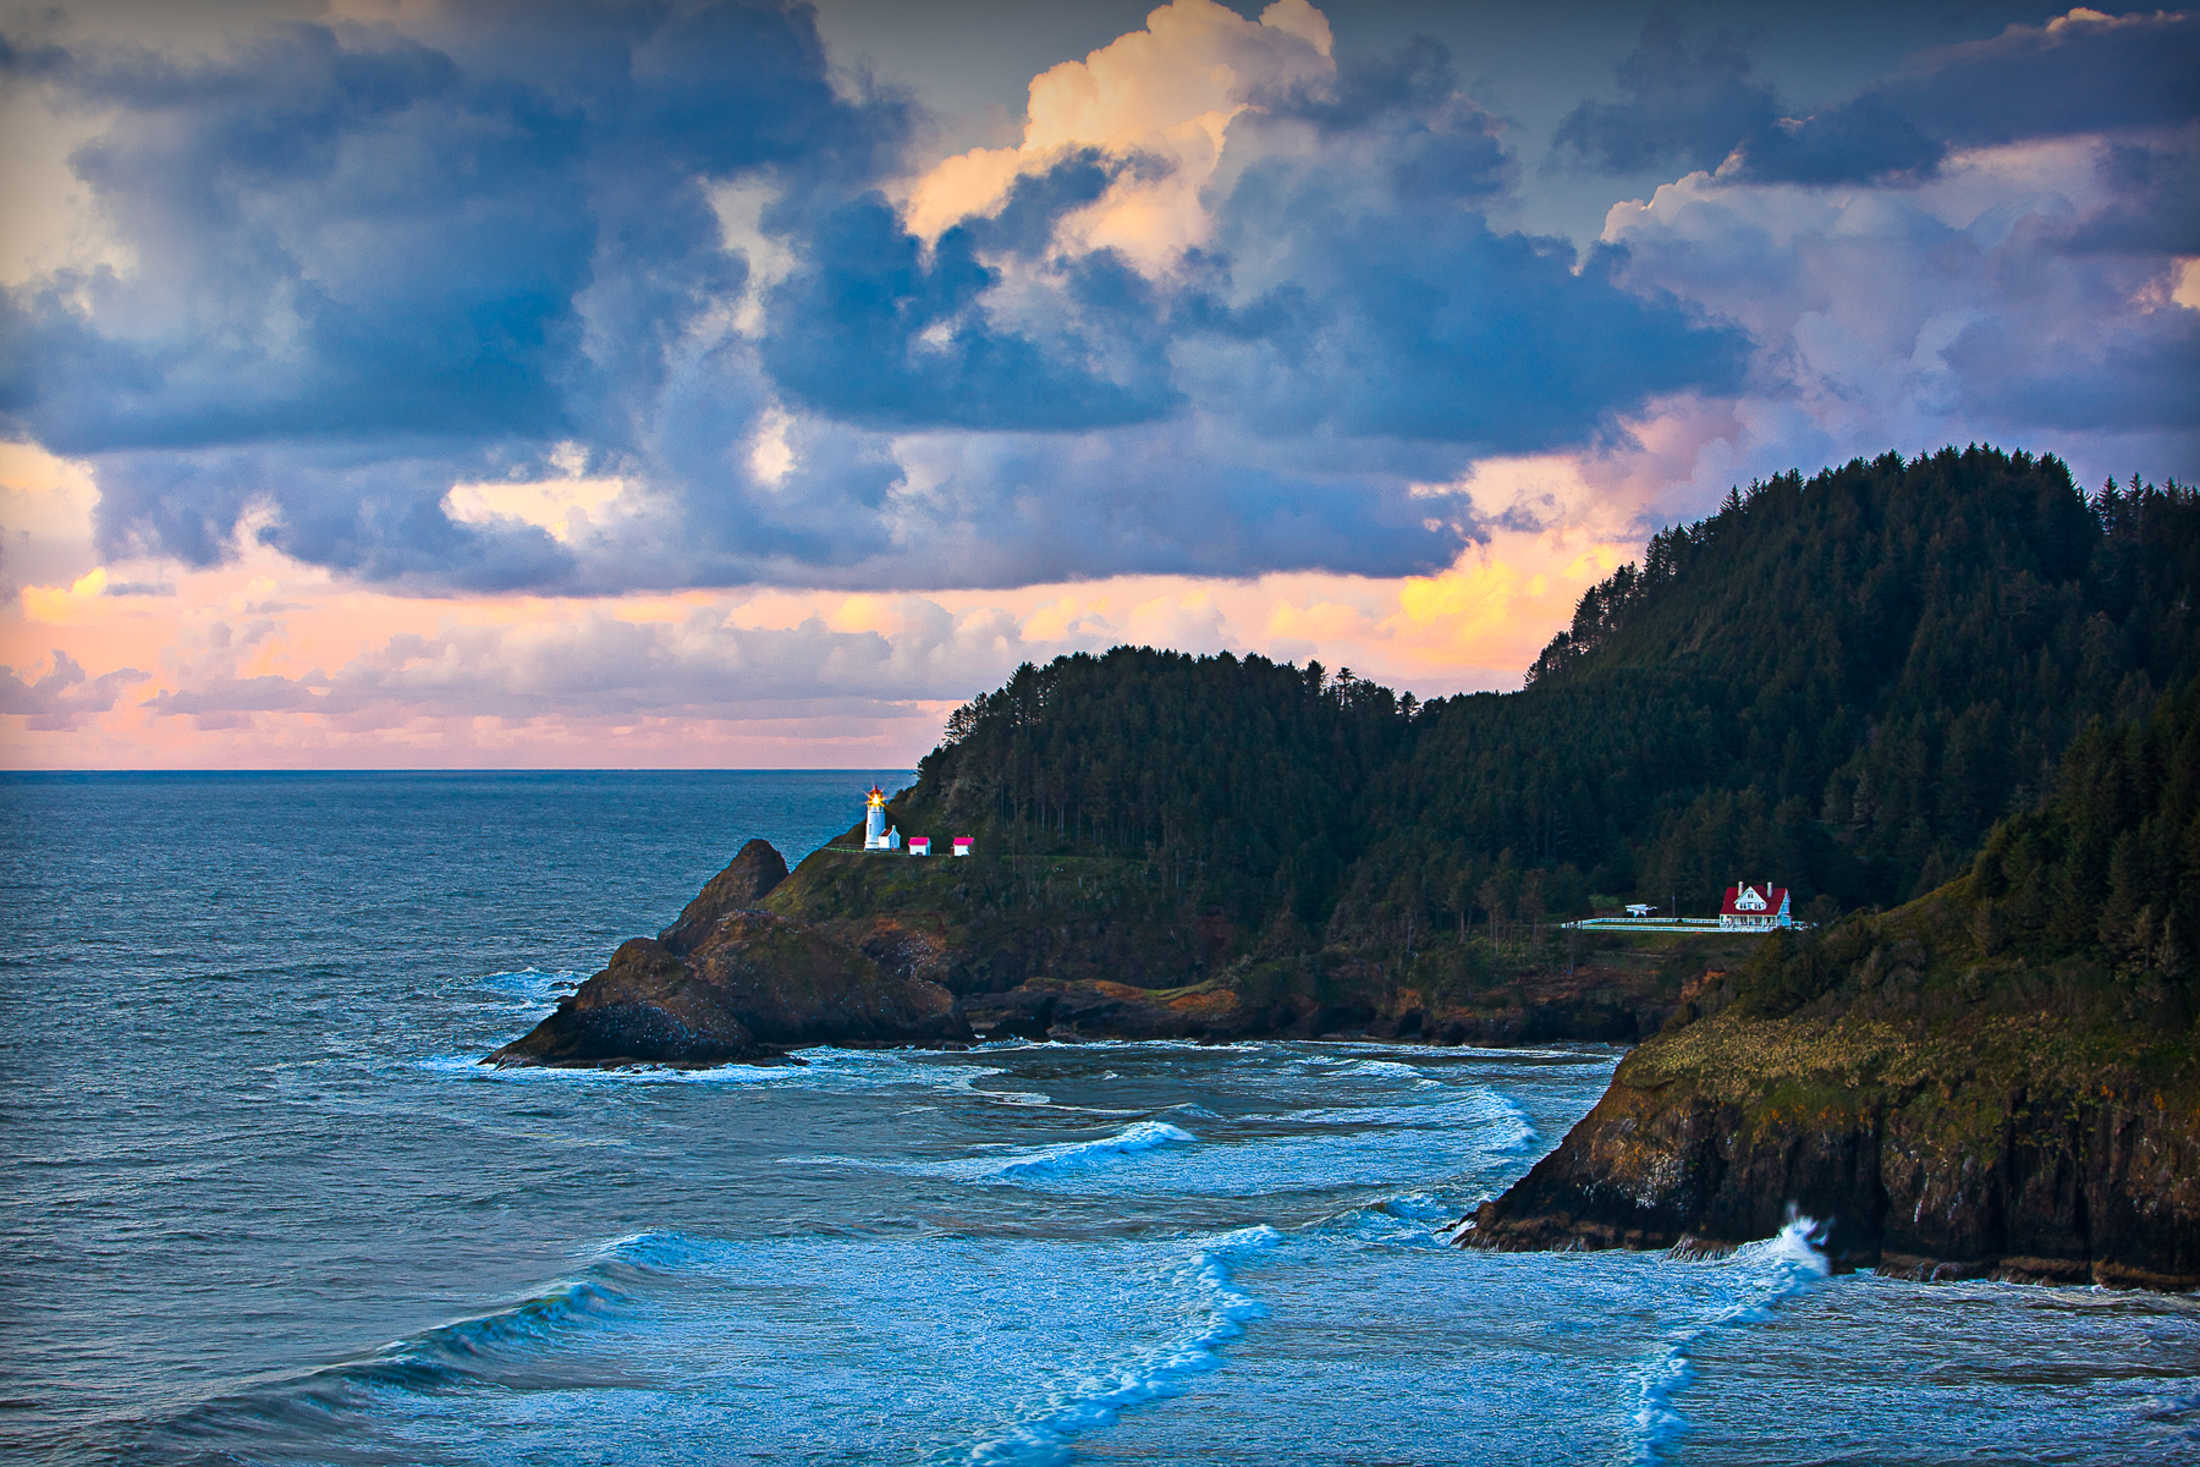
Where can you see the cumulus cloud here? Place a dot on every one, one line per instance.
(1167, 91)
(1956, 309)
(645, 297)
(1216, 313)
(367, 264)
(873, 329)
(63, 697)
(2083, 72)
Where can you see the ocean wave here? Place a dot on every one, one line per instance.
(533, 988)
(1072, 1158)
(1388, 1069)
(1476, 1106)
(1472, 1135)
(1217, 1312)
(1392, 1048)
(502, 1345)
(815, 1069)
(1420, 1219)
(1063, 1161)
(1029, 1099)
(1763, 1273)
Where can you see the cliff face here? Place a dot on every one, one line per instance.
(858, 947)
(1097, 947)
(730, 981)
(2025, 1146)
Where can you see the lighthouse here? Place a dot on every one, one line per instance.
(876, 836)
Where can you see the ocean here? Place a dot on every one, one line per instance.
(261, 1205)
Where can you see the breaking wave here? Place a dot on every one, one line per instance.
(507, 1346)
(1763, 1273)
(1217, 1312)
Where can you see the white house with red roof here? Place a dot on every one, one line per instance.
(1755, 908)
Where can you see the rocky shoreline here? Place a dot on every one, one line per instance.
(1987, 1141)
(2025, 1149)
(862, 949)
(733, 982)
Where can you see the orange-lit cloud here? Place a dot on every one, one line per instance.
(1167, 93)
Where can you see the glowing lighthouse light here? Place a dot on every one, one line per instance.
(876, 835)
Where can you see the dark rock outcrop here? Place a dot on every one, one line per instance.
(1049, 1008)
(732, 982)
(741, 886)
(646, 1007)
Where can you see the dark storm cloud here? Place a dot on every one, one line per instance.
(2079, 74)
(2156, 208)
(873, 329)
(348, 237)
(1426, 323)
(351, 507)
(1681, 105)
(1434, 143)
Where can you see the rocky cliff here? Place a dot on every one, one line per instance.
(1943, 1116)
(857, 947)
(1099, 947)
(732, 981)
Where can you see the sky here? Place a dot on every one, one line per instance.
(428, 383)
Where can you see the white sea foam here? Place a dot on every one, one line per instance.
(1478, 1107)
(1387, 1069)
(815, 1069)
(533, 988)
(1419, 1219)
(1762, 1274)
(1031, 1165)
(1217, 1312)
(1390, 1048)
(1083, 1156)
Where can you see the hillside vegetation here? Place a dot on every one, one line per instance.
(2002, 1076)
(1838, 683)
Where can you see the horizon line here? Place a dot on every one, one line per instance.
(490, 769)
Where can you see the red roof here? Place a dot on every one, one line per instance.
(1775, 897)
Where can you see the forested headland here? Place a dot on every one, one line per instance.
(2001, 1077)
(1838, 684)
(1952, 703)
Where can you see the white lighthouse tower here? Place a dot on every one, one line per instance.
(876, 835)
